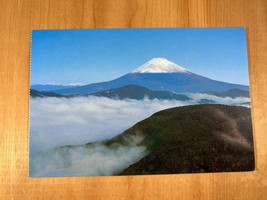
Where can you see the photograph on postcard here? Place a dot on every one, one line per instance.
(109, 102)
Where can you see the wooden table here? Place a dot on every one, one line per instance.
(19, 17)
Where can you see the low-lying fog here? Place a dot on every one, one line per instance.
(58, 122)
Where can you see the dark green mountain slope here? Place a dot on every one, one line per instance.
(138, 92)
(36, 93)
(191, 139)
(42, 94)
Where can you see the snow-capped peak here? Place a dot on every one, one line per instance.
(160, 65)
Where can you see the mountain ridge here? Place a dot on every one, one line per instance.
(172, 82)
(37, 93)
(139, 93)
(233, 93)
(194, 139)
(51, 87)
(157, 74)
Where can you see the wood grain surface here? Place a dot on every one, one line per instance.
(19, 17)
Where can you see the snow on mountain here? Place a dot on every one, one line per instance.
(160, 65)
(75, 84)
(158, 74)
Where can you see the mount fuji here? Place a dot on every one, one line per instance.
(158, 74)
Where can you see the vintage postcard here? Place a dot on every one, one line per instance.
(139, 102)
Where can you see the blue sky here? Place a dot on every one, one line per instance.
(96, 55)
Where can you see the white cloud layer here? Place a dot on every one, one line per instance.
(84, 160)
(239, 101)
(56, 122)
(60, 121)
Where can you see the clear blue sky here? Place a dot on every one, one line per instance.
(87, 56)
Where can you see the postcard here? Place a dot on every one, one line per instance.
(107, 102)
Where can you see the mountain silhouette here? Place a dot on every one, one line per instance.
(138, 93)
(158, 74)
(36, 93)
(50, 87)
(193, 139)
(233, 93)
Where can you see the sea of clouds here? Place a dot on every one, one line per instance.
(238, 101)
(71, 121)
(83, 160)
(59, 122)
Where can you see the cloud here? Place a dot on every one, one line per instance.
(61, 121)
(84, 160)
(219, 100)
(71, 121)
(60, 128)
(75, 84)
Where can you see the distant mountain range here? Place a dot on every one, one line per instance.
(233, 93)
(158, 74)
(36, 93)
(125, 92)
(138, 92)
(157, 78)
(50, 87)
